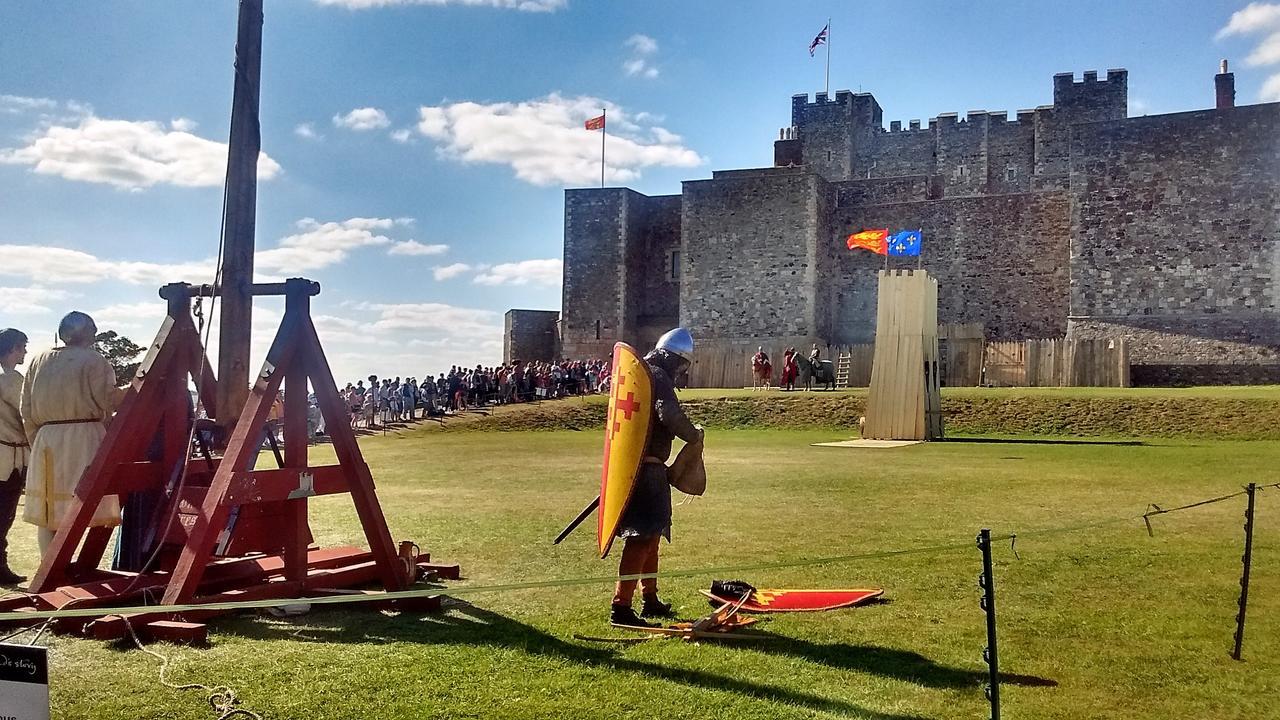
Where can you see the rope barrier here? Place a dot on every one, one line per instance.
(593, 580)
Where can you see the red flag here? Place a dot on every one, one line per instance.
(595, 123)
(877, 241)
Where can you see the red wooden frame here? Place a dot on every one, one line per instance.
(220, 500)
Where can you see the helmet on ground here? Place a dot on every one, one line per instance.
(677, 342)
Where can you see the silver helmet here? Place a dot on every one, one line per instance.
(677, 342)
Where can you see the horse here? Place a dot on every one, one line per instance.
(761, 374)
(824, 372)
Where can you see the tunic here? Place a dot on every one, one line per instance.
(70, 383)
(13, 438)
(648, 511)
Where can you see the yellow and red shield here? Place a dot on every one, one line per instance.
(626, 433)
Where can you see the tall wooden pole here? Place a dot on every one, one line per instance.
(236, 325)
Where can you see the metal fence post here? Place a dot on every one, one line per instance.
(1247, 559)
(986, 581)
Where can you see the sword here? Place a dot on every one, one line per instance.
(586, 512)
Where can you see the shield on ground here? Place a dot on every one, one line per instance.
(626, 433)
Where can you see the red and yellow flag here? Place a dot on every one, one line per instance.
(877, 241)
(595, 123)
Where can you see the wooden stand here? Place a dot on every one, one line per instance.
(904, 402)
(223, 529)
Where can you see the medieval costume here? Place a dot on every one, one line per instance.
(13, 443)
(647, 518)
(68, 395)
(790, 369)
(760, 365)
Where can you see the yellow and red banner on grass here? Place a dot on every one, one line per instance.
(626, 433)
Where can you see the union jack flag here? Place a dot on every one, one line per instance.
(820, 40)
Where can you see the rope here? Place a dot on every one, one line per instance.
(221, 698)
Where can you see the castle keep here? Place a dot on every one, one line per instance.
(1071, 219)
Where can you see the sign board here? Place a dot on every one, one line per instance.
(24, 682)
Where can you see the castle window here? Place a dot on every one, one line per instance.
(673, 266)
(597, 329)
(1011, 174)
(828, 156)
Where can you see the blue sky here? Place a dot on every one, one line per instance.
(456, 124)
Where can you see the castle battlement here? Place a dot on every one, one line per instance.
(1096, 207)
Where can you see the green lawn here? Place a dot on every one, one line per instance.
(1105, 623)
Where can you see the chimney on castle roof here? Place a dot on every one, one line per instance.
(1224, 85)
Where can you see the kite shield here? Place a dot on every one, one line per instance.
(626, 433)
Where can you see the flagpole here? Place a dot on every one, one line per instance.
(827, 86)
(604, 129)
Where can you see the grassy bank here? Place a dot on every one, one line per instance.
(1243, 413)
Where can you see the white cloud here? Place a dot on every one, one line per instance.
(413, 247)
(1270, 89)
(448, 272)
(1259, 18)
(321, 244)
(401, 135)
(65, 266)
(362, 119)
(1267, 52)
(183, 124)
(145, 316)
(639, 67)
(128, 154)
(642, 44)
(546, 273)
(316, 245)
(32, 300)
(308, 131)
(1255, 17)
(15, 104)
(642, 49)
(543, 140)
(524, 5)
(455, 322)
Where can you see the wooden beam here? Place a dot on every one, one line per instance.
(239, 219)
(260, 486)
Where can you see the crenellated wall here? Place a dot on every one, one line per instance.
(843, 138)
(1067, 219)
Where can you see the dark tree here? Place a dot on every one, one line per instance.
(121, 352)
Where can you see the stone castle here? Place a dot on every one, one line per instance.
(1072, 219)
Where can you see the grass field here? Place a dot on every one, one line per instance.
(1103, 623)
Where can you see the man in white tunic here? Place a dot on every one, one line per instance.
(69, 394)
(13, 442)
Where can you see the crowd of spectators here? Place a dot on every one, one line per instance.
(389, 400)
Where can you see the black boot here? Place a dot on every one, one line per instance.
(655, 608)
(9, 577)
(624, 616)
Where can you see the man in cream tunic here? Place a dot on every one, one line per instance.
(13, 442)
(68, 395)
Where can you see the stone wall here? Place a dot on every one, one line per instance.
(748, 245)
(594, 294)
(531, 335)
(1176, 234)
(617, 280)
(1001, 261)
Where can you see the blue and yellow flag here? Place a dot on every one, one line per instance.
(906, 243)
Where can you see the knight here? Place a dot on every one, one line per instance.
(647, 517)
